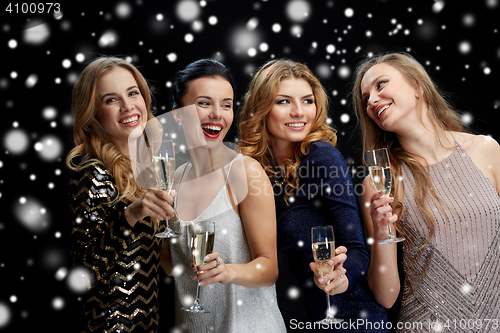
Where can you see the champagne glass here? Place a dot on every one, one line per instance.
(202, 244)
(380, 174)
(164, 170)
(323, 247)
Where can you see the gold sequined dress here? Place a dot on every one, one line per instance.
(122, 261)
(453, 283)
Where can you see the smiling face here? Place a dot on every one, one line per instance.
(388, 96)
(213, 98)
(120, 105)
(292, 115)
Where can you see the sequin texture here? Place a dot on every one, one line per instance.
(326, 197)
(454, 278)
(123, 261)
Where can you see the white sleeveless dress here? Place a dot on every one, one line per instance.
(233, 308)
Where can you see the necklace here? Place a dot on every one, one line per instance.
(277, 180)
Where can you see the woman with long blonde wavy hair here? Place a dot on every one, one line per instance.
(444, 197)
(114, 220)
(284, 127)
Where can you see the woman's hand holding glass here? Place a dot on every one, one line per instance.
(379, 167)
(382, 216)
(338, 280)
(323, 248)
(154, 203)
(202, 245)
(214, 270)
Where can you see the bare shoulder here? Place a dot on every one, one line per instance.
(478, 144)
(245, 169)
(252, 166)
(257, 179)
(250, 160)
(485, 152)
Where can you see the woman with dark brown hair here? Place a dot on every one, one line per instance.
(219, 185)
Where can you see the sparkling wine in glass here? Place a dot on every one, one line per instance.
(164, 170)
(323, 247)
(380, 174)
(202, 244)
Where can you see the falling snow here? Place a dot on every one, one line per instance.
(45, 54)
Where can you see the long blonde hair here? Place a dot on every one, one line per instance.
(441, 114)
(255, 139)
(92, 144)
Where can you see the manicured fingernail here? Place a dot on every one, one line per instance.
(207, 258)
(195, 277)
(195, 269)
(201, 283)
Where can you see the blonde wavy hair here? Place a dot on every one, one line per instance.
(443, 118)
(255, 139)
(92, 144)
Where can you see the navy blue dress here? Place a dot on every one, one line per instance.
(326, 197)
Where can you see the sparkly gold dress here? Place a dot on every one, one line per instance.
(122, 261)
(453, 283)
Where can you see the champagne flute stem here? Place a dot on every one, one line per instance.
(196, 299)
(390, 231)
(329, 312)
(168, 227)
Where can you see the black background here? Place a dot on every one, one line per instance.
(30, 258)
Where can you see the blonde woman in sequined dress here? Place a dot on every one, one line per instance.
(114, 220)
(444, 200)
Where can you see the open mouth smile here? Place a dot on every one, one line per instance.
(212, 130)
(382, 109)
(130, 121)
(296, 126)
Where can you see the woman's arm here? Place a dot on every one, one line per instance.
(99, 234)
(383, 276)
(95, 222)
(257, 212)
(485, 152)
(340, 207)
(154, 203)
